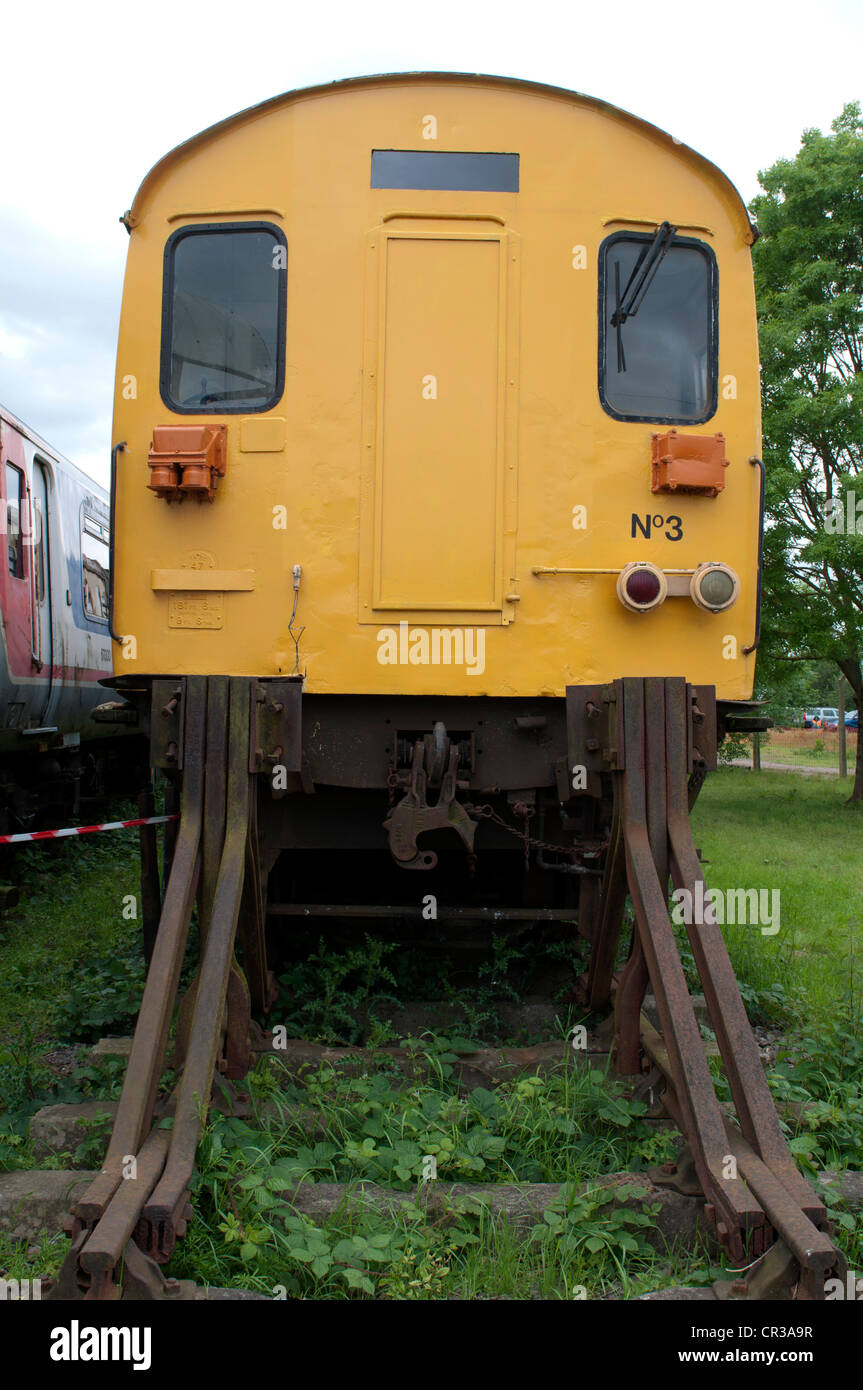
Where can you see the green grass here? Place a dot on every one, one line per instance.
(798, 755)
(71, 914)
(775, 830)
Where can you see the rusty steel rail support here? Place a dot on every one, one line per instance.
(151, 896)
(146, 1061)
(165, 1206)
(132, 1214)
(760, 1193)
(701, 1117)
(612, 904)
(756, 1112)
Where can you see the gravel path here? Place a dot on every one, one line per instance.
(788, 767)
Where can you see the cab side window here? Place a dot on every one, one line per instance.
(657, 328)
(223, 318)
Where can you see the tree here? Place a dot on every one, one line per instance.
(809, 287)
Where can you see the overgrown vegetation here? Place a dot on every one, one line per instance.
(379, 1126)
(569, 1127)
(348, 995)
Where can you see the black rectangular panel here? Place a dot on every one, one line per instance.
(467, 171)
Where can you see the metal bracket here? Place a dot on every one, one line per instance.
(681, 1175)
(276, 726)
(166, 723)
(594, 722)
(702, 728)
(142, 1280)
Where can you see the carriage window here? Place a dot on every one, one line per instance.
(14, 512)
(657, 338)
(223, 318)
(39, 550)
(94, 565)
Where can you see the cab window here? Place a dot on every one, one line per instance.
(657, 327)
(223, 318)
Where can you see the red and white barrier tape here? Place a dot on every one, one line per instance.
(83, 830)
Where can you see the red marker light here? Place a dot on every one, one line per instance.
(641, 586)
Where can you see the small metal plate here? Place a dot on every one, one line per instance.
(187, 609)
(594, 732)
(166, 723)
(276, 725)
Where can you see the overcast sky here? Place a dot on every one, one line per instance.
(93, 94)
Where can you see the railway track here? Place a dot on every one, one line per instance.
(763, 1213)
(676, 1209)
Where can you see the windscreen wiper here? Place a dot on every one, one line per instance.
(627, 305)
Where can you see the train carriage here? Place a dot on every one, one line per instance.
(438, 516)
(56, 648)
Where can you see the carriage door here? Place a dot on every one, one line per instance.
(440, 424)
(43, 644)
(15, 587)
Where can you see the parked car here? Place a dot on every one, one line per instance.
(821, 717)
(852, 718)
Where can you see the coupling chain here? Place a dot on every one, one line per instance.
(488, 812)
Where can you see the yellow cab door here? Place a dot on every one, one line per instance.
(441, 379)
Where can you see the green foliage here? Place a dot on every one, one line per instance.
(24, 1075)
(330, 1126)
(332, 995)
(821, 1071)
(105, 994)
(596, 1223)
(790, 687)
(348, 996)
(32, 1259)
(91, 1150)
(374, 1129)
(27, 1084)
(809, 286)
(735, 746)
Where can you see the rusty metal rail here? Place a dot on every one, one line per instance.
(131, 1215)
(164, 1208)
(753, 1190)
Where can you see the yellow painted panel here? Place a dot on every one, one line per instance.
(438, 534)
(202, 579)
(315, 501)
(264, 434)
